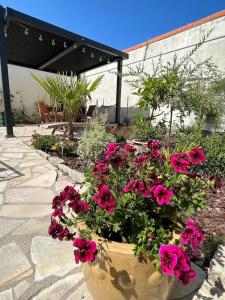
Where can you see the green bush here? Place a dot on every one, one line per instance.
(44, 142)
(214, 146)
(94, 140)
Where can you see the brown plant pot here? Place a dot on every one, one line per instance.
(116, 274)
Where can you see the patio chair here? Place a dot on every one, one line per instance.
(89, 114)
(47, 114)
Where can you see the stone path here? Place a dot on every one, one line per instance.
(32, 264)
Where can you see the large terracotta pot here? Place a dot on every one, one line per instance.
(116, 274)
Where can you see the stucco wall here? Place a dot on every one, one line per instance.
(27, 92)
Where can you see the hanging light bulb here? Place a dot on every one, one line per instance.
(92, 55)
(83, 50)
(65, 45)
(100, 59)
(108, 61)
(26, 32)
(40, 38)
(53, 42)
(75, 46)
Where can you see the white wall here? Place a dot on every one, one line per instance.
(28, 91)
(179, 44)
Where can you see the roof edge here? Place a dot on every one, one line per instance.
(178, 30)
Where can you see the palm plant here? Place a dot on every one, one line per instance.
(67, 90)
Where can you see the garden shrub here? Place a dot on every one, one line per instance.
(44, 142)
(94, 140)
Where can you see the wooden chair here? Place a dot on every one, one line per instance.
(47, 114)
(89, 114)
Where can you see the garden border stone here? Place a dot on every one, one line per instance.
(75, 176)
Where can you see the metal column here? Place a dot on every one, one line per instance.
(5, 76)
(118, 90)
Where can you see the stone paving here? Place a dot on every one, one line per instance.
(32, 264)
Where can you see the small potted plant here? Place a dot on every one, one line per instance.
(129, 227)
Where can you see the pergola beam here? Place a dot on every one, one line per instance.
(118, 90)
(57, 57)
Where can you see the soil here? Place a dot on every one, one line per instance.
(74, 163)
(212, 218)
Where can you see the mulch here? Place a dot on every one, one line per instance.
(212, 218)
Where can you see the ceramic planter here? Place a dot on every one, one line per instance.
(116, 274)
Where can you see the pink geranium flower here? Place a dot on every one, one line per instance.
(197, 156)
(162, 194)
(85, 250)
(104, 198)
(100, 170)
(180, 162)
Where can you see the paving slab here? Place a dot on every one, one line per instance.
(7, 226)
(60, 288)
(14, 265)
(81, 293)
(31, 227)
(21, 288)
(29, 195)
(6, 295)
(44, 180)
(52, 257)
(25, 211)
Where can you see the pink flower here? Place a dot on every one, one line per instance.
(168, 259)
(197, 156)
(111, 149)
(192, 235)
(58, 201)
(100, 170)
(104, 198)
(79, 206)
(85, 250)
(174, 261)
(154, 178)
(153, 144)
(162, 194)
(180, 162)
(58, 212)
(141, 160)
(130, 185)
(129, 148)
(58, 231)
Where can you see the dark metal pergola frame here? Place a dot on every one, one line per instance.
(8, 15)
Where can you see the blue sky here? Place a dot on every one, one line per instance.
(118, 23)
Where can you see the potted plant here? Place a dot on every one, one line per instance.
(128, 228)
(69, 92)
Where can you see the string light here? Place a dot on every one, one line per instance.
(83, 50)
(26, 32)
(53, 42)
(75, 45)
(100, 59)
(92, 55)
(65, 45)
(108, 61)
(40, 38)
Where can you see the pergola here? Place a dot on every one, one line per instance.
(29, 42)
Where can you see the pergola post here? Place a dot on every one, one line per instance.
(118, 90)
(5, 76)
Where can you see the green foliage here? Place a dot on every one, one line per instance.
(214, 146)
(44, 142)
(94, 140)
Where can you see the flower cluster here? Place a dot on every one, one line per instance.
(181, 162)
(175, 261)
(138, 198)
(192, 236)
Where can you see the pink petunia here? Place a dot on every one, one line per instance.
(130, 185)
(162, 194)
(100, 170)
(57, 231)
(85, 250)
(197, 156)
(129, 148)
(111, 149)
(104, 198)
(180, 162)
